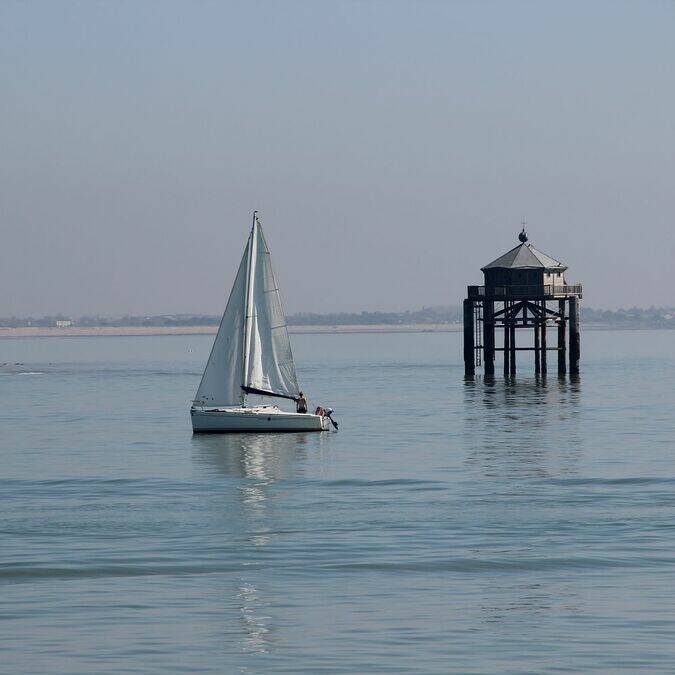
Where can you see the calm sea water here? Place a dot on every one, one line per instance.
(449, 526)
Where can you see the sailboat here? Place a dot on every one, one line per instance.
(251, 357)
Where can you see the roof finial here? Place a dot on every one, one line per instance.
(523, 236)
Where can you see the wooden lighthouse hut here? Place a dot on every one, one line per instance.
(523, 289)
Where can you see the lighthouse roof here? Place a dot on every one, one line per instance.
(525, 256)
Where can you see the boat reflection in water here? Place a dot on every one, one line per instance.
(266, 457)
(253, 470)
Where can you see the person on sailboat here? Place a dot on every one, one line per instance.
(301, 403)
(326, 412)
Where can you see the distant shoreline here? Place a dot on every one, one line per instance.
(131, 331)
(138, 331)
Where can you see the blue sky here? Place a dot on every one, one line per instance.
(392, 149)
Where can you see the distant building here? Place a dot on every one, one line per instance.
(63, 323)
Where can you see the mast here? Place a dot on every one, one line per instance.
(248, 317)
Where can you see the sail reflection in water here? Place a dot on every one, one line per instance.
(258, 464)
(258, 633)
(266, 457)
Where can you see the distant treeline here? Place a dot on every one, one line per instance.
(117, 321)
(163, 320)
(637, 317)
(652, 317)
(426, 315)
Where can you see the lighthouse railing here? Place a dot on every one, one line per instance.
(521, 292)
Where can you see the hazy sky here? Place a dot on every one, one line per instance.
(392, 149)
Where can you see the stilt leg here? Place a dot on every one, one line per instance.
(489, 337)
(507, 344)
(543, 339)
(512, 340)
(575, 337)
(469, 347)
(562, 355)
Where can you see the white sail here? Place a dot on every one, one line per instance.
(269, 360)
(224, 373)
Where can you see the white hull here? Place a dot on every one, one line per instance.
(259, 419)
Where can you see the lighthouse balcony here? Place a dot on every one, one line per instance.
(530, 292)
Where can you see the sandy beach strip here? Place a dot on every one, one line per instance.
(122, 331)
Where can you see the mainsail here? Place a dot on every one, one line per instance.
(252, 350)
(224, 372)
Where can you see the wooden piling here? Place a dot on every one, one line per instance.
(537, 347)
(507, 342)
(512, 340)
(543, 338)
(469, 346)
(562, 351)
(575, 337)
(489, 337)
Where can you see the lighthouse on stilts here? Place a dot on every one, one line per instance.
(524, 289)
